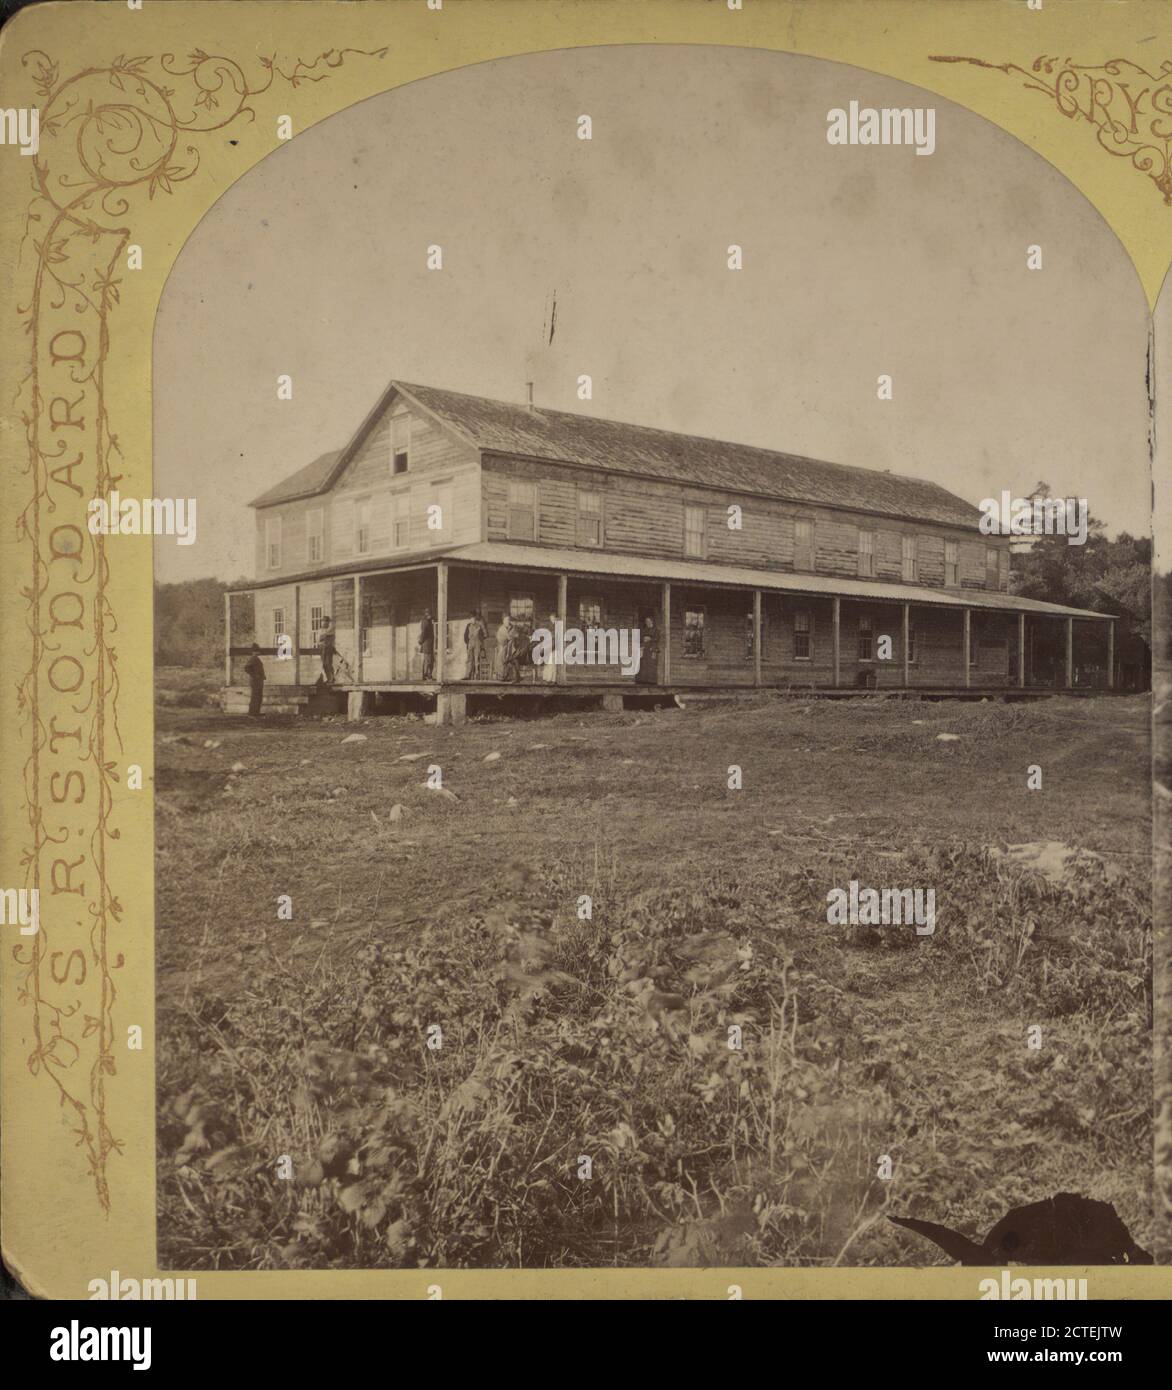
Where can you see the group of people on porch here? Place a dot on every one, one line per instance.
(505, 655)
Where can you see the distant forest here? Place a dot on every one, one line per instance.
(1105, 576)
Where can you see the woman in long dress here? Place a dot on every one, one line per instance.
(647, 673)
(549, 669)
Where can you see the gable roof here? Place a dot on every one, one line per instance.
(559, 436)
(313, 478)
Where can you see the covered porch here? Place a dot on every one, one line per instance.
(716, 628)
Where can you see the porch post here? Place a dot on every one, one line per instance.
(1021, 650)
(907, 624)
(441, 619)
(358, 629)
(1111, 654)
(968, 648)
(563, 586)
(666, 677)
(296, 634)
(836, 626)
(1070, 653)
(227, 638)
(756, 636)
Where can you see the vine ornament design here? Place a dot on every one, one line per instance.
(113, 139)
(1132, 121)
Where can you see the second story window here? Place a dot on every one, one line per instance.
(522, 510)
(362, 527)
(439, 524)
(273, 542)
(992, 567)
(951, 566)
(400, 443)
(694, 531)
(866, 637)
(314, 534)
(866, 554)
(909, 563)
(589, 517)
(803, 545)
(400, 521)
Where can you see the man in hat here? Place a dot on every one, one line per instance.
(327, 645)
(254, 669)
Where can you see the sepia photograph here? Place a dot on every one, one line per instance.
(652, 667)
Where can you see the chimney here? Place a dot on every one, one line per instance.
(529, 397)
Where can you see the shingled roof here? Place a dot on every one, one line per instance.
(559, 436)
(313, 478)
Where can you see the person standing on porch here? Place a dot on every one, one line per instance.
(427, 644)
(647, 674)
(255, 671)
(475, 637)
(549, 670)
(327, 644)
(504, 637)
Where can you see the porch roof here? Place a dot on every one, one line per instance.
(509, 555)
(579, 562)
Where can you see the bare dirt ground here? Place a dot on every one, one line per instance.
(607, 1037)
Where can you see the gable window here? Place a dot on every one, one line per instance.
(909, 561)
(441, 534)
(694, 531)
(400, 443)
(278, 626)
(866, 637)
(589, 612)
(803, 628)
(750, 635)
(589, 517)
(400, 520)
(951, 568)
(693, 631)
(866, 554)
(803, 545)
(273, 542)
(314, 533)
(522, 510)
(992, 567)
(362, 512)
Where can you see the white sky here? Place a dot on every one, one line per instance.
(857, 261)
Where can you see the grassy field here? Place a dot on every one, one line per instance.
(306, 1122)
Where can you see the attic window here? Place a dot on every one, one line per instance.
(400, 443)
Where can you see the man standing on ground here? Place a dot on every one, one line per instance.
(255, 671)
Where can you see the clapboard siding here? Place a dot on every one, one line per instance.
(642, 516)
(437, 462)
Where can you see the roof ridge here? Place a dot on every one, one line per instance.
(763, 449)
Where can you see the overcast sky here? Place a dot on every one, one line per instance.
(857, 261)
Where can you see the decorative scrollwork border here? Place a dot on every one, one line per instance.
(113, 138)
(1130, 124)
